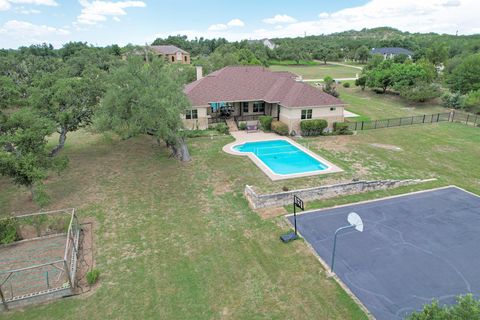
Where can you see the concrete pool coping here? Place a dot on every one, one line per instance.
(244, 137)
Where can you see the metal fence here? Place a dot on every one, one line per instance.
(454, 116)
(44, 261)
(466, 118)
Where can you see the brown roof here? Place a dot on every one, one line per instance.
(167, 49)
(253, 83)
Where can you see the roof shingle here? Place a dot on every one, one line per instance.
(253, 83)
(167, 49)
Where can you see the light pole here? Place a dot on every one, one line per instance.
(355, 222)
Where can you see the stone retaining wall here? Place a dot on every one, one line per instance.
(258, 201)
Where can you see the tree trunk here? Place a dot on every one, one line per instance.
(61, 142)
(32, 191)
(180, 150)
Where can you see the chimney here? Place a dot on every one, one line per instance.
(199, 72)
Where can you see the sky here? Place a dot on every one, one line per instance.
(25, 22)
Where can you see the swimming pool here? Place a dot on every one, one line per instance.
(282, 157)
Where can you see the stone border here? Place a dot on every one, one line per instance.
(258, 201)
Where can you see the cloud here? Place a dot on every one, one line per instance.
(218, 27)
(97, 11)
(4, 5)
(225, 26)
(236, 23)
(280, 18)
(7, 4)
(441, 16)
(51, 3)
(17, 33)
(324, 15)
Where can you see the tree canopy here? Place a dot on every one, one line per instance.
(145, 99)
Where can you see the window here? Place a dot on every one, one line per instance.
(306, 114)
(259, 107)
(245, 107)
(185, 57)
(191, 114)
(333, 109)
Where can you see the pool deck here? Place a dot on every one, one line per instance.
(243, 137)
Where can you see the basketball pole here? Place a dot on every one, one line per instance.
(295, 218)
(335, 244)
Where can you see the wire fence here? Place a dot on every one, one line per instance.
(43, 259)
(454, 116)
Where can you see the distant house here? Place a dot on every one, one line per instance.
(390, 53)
(172, 53)
(266, 42)
(243, 94)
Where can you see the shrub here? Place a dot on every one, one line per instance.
(280, 128)
(465, 308)
(8, 231)
(313, 127)
(242, 126)
(92, 276)
(341, 128)
(266, 122)
(472, 102)
(285, 188)
(346, 84)
(329, 87)
(361, 82)
(421, 92)
(454, 101)
(222, 128)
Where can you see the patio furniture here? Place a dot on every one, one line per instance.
(252, 128)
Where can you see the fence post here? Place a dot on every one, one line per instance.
(3, 299)
(356, 123)
(362, 124)
(468, 117)
(424, 118)
(438, 117)
(376, 124)
(475, 121)
(67, 272)
(453, 115)
(388, 123)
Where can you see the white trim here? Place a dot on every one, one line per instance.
(331, 168)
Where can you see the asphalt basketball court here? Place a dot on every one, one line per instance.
(414, 248)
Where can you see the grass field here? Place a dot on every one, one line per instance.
(178, 241)
(373, 106)
(319, 71)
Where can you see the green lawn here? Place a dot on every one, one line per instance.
(318, 71)
(373, 106)
(178, 241)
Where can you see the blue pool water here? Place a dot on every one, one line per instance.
(282, 157)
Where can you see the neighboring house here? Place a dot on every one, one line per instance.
(245, 93)
(390, 53)
(172, 53)
(266, 42)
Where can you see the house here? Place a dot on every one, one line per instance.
(266, 42)
(244, 93)
(269, 44)
(172, 53)
(390, 53)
